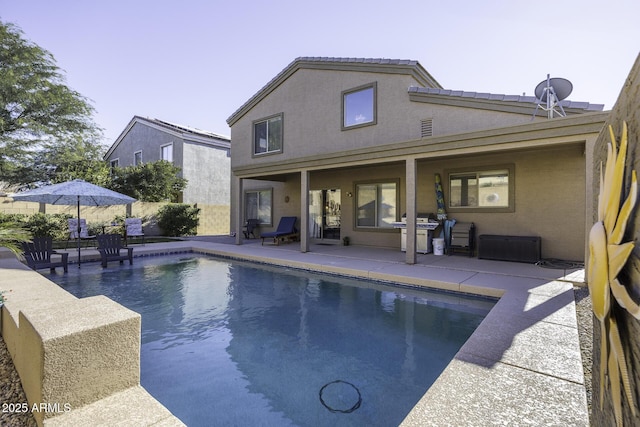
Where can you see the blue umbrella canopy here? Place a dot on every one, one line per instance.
(76, 192)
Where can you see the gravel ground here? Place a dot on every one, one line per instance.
(11, 389)
(11, 394)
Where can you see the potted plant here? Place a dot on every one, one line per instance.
(345, 240)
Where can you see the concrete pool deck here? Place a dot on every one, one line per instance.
(521, 366)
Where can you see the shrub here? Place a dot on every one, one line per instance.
(178, 219)
(49, 225)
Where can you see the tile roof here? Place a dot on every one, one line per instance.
(377, 64)
(499, 97)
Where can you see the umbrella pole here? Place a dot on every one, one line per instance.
(78, 231)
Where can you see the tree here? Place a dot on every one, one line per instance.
(76, 159)
(37, 110)
(150, 182)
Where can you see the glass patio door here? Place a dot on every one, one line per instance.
(324, 215)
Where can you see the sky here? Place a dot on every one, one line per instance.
(195, 62)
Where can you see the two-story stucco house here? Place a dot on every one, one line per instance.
(203, 157)
(350, 146)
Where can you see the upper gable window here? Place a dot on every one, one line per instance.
(137, 158)
(267, 135)
(359, 106)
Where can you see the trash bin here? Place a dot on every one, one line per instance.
(438, 246)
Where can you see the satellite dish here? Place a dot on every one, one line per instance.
(562, 88)
(550, 92)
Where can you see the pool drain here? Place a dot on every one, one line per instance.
(337, 395)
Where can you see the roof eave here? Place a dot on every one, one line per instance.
(385, 66)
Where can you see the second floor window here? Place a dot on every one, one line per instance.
(359, 107)
(166, 152)
(137, 158)
(267, 135)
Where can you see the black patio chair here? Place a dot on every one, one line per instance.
(110, 248)
(39, 253)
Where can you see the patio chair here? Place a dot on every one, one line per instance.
(286, 230)
(110, 248)
(73, 231)
(133, 228)
(250, 227)
(38, 254)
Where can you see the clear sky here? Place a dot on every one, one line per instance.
(195, 62)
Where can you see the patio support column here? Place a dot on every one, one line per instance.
(238, 203)
(304, 211)
(411, 171)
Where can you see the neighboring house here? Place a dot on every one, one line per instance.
(350, 145)
(203, 157)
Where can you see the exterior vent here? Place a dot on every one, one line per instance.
(510, 248)
(426, 128)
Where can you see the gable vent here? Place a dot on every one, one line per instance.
(426, 128)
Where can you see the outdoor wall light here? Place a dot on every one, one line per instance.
(286, 199)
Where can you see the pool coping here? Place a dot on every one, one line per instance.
(521, 366)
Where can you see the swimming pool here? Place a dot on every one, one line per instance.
(232, 343)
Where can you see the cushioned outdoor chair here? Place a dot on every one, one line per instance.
(39, 253)
(133, 228)
(73, 231)
(286, 230)
(110, 248)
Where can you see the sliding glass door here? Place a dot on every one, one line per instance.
(324, 215)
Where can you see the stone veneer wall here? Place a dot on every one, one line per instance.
(627, 109)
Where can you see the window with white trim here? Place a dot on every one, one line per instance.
(137, 158)
(166, 152)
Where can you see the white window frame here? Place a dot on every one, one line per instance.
(135, 162)
(162, 148)
(113, 163)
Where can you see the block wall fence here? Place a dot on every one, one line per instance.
(214, 219)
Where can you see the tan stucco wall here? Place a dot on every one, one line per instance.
(310, 101)
(208, 171)
(550, 197)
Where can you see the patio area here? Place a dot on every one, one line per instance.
(523, 364)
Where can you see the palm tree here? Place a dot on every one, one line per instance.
(12, 235)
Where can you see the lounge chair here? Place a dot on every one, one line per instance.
(73, 231)
(38, 254)
(110, 248)
(133, 228)
(286, 230)
(250, 227)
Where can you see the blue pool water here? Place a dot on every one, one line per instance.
(227, 343)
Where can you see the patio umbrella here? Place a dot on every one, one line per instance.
(76, 192)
